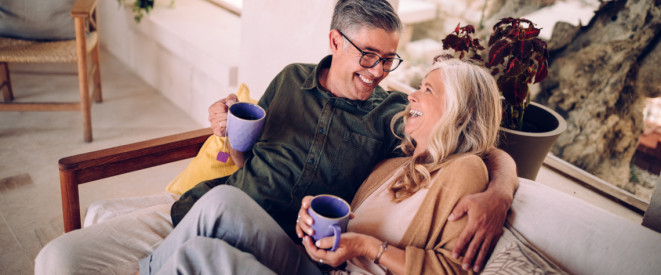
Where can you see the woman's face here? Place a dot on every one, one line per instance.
(427, 105)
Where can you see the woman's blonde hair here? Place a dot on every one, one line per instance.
(469, 124)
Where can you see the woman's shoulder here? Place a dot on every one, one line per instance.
(389, 164)
(466, 162)
(465, 170)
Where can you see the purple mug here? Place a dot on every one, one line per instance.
(330, 215)
(244, 125)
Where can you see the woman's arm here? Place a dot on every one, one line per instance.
(355, 245)
(431, 238)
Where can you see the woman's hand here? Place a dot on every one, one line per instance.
(218, 114)
(304, 221)
(351, 245)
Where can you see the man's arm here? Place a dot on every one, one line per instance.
(486, 211)
(238, 157)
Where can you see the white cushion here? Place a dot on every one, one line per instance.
(103, 210)
(582, 238)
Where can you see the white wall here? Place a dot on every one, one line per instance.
(277, 33)
(189, 53)
(196, 53)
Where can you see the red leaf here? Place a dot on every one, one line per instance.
(532, 32)
(498, 52)
(451, 41)
(514, 91)
(539, 46)
(476, 44)
(526, 49)
(542, 72)
(515, 67)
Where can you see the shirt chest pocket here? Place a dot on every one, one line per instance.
(354, 160)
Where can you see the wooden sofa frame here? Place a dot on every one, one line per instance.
(87, 167)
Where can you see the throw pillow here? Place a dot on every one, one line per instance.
(520, 259)
(37, 19)
(205, 166)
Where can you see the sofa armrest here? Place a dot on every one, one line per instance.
(82, 168)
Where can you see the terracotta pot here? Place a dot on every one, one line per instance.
(541, 128)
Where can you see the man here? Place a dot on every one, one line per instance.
(326, 128)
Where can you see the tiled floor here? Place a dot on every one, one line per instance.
(32, 142)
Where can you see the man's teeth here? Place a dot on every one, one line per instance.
(415, 113)
(366, 80)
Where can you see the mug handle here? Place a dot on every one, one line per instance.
(336, 232)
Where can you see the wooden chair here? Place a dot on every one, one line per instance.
(76, 50)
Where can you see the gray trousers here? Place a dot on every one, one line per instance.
(227, 232)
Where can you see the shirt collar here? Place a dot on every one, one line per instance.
(312, 82)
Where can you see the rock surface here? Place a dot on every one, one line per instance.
(599, 82)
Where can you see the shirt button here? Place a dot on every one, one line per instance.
(311, 161)
(321, 131)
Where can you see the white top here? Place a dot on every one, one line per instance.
(379, 216)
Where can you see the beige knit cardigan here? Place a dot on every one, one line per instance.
(429, 239)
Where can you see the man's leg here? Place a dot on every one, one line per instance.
(201, 255)
(110, 247)
(227, 213)
(188, 199)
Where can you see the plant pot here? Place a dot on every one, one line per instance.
(541, 128)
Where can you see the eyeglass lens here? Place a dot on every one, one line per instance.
(370, 60)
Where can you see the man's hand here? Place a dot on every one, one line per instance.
(486, 212)
(218, 114)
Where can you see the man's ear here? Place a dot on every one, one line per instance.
(335, 40)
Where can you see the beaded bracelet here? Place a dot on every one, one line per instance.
(384, 245)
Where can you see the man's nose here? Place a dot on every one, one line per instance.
(377, 70)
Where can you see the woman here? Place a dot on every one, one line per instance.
(451, 121)
(401, 210)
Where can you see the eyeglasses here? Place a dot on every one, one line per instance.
(369, 60)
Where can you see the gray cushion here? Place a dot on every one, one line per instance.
(37, 19)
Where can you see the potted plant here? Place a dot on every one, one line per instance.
(516, 59)
(142, 7)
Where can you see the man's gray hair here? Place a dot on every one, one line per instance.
(350, 15)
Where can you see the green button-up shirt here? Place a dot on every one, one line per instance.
(315, 143)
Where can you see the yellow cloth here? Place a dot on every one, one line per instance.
(205, 166)
(430, 238)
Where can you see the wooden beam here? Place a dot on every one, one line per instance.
(596, 184)
(46, 106)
